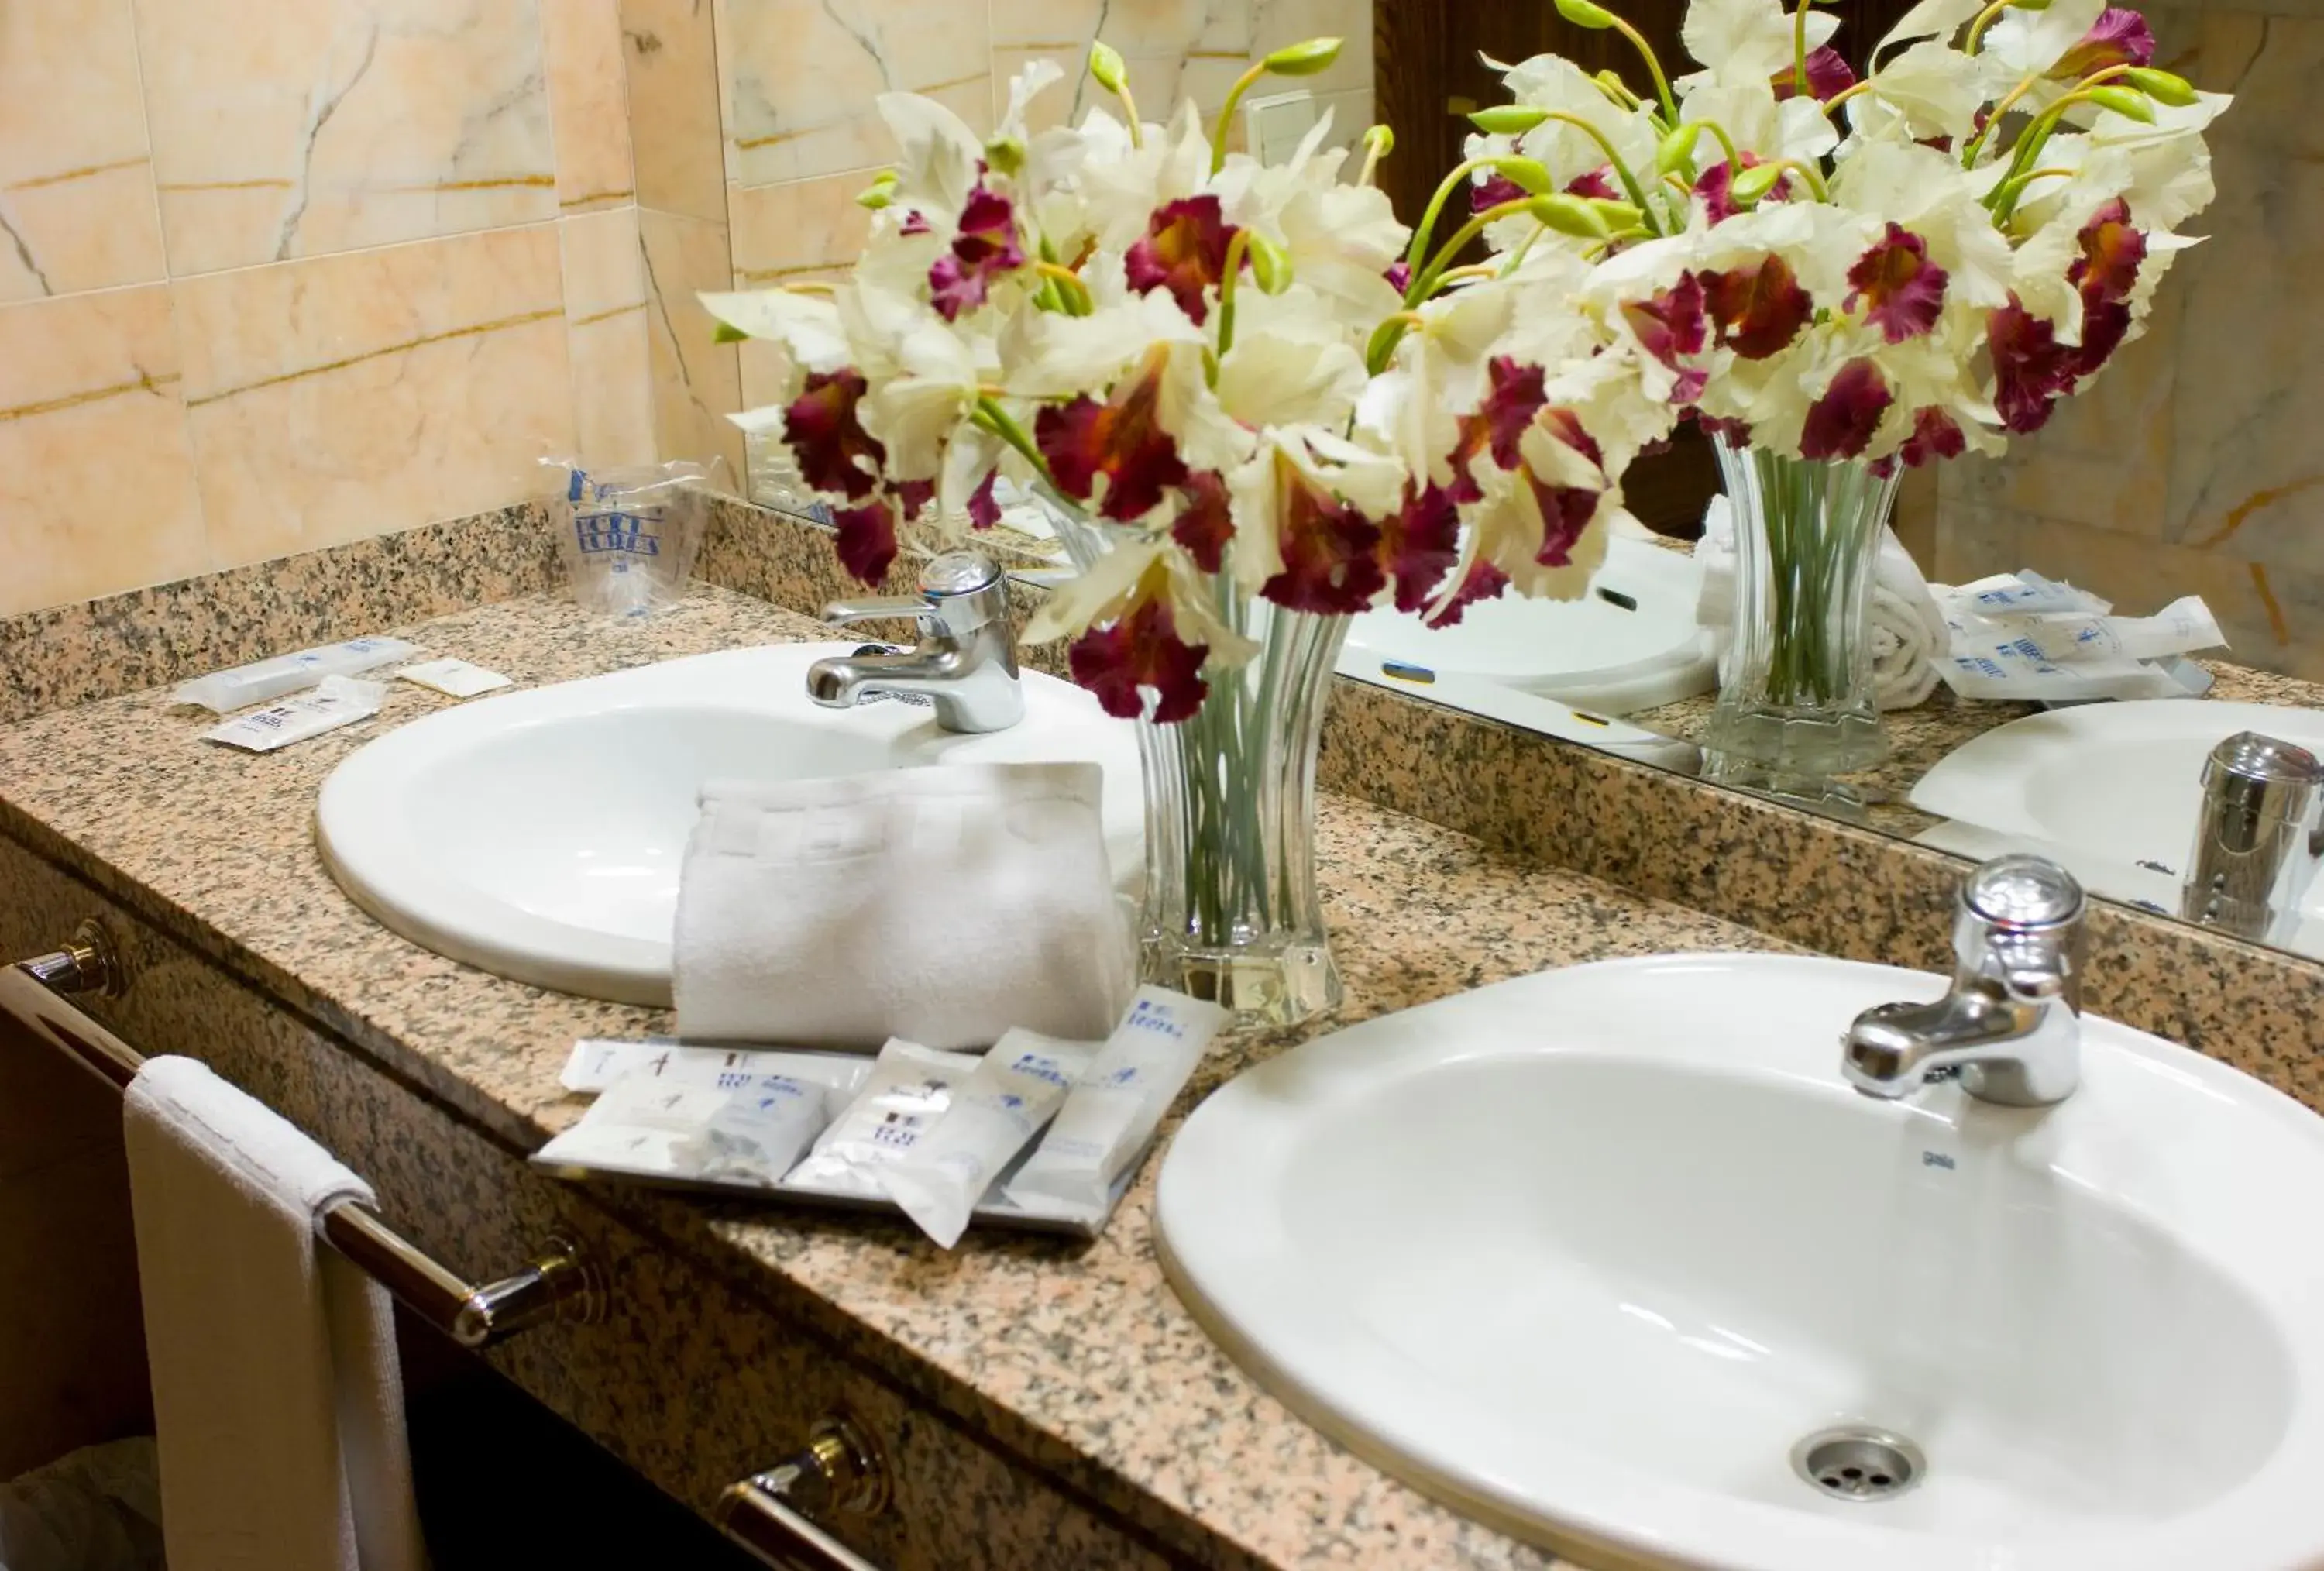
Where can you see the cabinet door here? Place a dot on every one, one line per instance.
(72, 1337)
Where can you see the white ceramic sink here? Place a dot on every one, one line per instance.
(538, 834)
(1630, 643)
(1587, 1253)
(2113, 791)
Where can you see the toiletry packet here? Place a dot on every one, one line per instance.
(596, 1063)
(337, 701)
(909, 1088)
(1016, 1088)
(242, 686)
(455, 678)
(747, 1132)
(1114, 1110)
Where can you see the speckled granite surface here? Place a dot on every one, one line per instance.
(1078, 1358)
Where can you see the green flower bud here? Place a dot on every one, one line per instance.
(1532, 176)
(1569, 216)
(1379, 140)
(1584, 14)
(2163, 86)
(2123, 101)
(1677, 150)
(1106, 66)
(880, 192)
(1270, 265)
(1304, 58)
(1508, 119)
(1616, 216)
(1752, 183)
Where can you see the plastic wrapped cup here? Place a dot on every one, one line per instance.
(630, 536)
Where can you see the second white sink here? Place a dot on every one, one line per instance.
(538, 834)
(1589, 1254)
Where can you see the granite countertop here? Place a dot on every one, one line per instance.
(1079, 1357)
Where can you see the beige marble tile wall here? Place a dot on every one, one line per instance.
(2192, 465)
(800, 80)
(279, 274)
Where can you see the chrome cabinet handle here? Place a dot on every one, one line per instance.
(771, 1513)
(561, 1284)
(88, 964)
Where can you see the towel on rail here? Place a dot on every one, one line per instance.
(276, 1393)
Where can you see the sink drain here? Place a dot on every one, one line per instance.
(1857, 1463)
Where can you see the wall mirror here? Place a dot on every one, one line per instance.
(2184, 470)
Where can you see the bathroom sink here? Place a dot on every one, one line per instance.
(1630, 643)
(2113, 791)
(538, 834)
(1612, 1259)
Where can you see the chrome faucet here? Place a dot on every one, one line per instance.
(2011, 1027)
(2260, 840)
(965, 664)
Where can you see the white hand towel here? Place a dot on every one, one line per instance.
(276, 1394)
(942, 905)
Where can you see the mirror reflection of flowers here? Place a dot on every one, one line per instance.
(1254, 380)
(1892, 270)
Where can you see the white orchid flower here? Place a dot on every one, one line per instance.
(1743, 41)
(807, 326)
(1291, 362)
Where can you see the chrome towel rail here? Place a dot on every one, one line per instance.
(771, 1513)
(560, 1284)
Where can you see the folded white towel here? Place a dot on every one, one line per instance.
(276, 1394)
(942, 905)
(1908, 631)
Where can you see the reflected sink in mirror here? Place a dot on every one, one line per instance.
(539, 834)
(1631, 642)
(2115, 792)
(1611, 1258)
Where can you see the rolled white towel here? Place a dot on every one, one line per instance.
(1904, 655)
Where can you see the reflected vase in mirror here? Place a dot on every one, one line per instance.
(1796, 703)
(1231, 912)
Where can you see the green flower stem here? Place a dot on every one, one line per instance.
(990, 416)
(1808, 172)
(1237, 249)
(1800, 49)
(2009, 100)
(1654, 69)
(1423, 285)
(1242, 84)
(2003, 198)
(1630, 185)
(1459, 178)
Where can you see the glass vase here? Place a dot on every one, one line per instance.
(1231, 912)
(1796, 703)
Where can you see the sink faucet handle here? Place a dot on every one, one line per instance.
(2020, 926)
(961, 591)
(2260, 839)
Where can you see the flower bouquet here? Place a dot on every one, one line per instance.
(1842, 277)
(1257, 404)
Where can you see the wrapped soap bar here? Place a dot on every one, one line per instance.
(1016, 1089)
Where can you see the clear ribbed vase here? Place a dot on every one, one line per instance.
(1230, 911)
(1795, 698)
